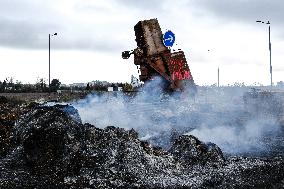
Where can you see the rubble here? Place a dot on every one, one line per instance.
(53, 148)
(9, 113)
(188, 150)
(51, 140)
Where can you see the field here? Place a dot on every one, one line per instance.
(43, 97)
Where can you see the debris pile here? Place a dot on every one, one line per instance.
(189, 150)
(9, 113)
(51, 140)
(53, 148)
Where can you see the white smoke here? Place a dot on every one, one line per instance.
(215, 115)
(249, 138)
(141, 113)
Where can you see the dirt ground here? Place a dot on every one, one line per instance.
(43, 97)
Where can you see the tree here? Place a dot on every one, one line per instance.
(10, 84)
(127, 87)
(54, 85)
(41, 85)
(88, 87)
(18, 85)
(3, 86)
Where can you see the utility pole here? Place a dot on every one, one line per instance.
(270, 55)
(218, 77)
(49, 62)
(270, 65)
(49, 59)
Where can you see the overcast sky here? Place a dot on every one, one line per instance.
(93, 33)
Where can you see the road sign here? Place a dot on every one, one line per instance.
(169, 38)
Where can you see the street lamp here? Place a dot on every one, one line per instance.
(269, 48)
(49, 59)
(218, 76)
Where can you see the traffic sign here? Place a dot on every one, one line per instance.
(169, 38)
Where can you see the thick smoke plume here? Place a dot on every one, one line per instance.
(215, 115)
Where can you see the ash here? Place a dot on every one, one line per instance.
(50, 147)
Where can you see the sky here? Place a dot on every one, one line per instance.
(93, 33)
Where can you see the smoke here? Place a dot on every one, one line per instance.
(249, 138)
(144, 112)
(215, 115)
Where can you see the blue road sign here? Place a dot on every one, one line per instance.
(169, 38)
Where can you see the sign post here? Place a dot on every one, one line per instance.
(169, 38)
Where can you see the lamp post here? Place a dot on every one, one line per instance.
(218, 77)
(49, 59)
(270, 67)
